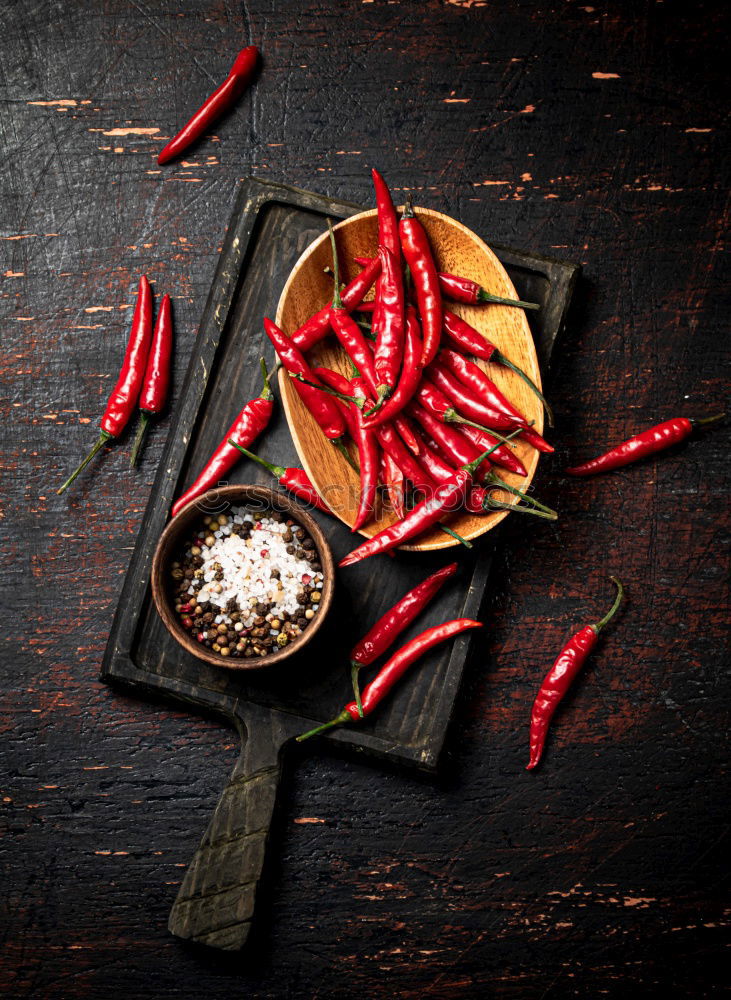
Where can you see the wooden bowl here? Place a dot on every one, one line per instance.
(459, 251)
(218, 501)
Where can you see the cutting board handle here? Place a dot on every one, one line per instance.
(215, 904)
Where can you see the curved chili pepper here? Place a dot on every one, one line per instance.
(409, 378)
(123, 397)
(466, 337)
(246, 428)
(349, 333)
(394, 482)
(418, 255)
(394, 669)
(388, 229)
(447, 498)
(403, 426)
(295, 480)
(503, 457)
(214, 106)
(654, 439)
(317, 326)
(560, 677)
(322, 408)
(466, 290)
(157, 375)
(390, 327)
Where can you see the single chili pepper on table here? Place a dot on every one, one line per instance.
(560, 677)
(349, 333)
(447, 498)
(470, 340)
(317, 326)
(251, 421)
(655, 439)
(394, 668)
(123, 397)
(157, 375)
(393, 622)
(214, 106)
(418, 256)
(295, 480)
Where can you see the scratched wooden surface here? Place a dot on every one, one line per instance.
(588, 131)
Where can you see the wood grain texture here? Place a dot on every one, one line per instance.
(456, 251)
(604, 873)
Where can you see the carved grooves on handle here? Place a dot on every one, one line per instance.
(216, 900)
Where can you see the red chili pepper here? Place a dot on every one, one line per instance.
(655, 439)
(465, 290)
(447, 498)
(390, 328)
(394, 482)
(436, 403)
(468, 339)
(392, 444)
(503, 457)
(295, 480)
(418, 255)
(475, 395)
(157, 375)
(560, 677)
(349, 333)
(317, 326)
(394, 669)
(322, 408)
(246, 428)
(368, 451)
(455, 448)
(388, 228)
(409, 379)
(215, 105)
(123, 397)
(404, 427)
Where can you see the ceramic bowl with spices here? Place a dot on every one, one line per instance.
(243, 577)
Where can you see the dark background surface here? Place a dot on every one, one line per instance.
(590, 132)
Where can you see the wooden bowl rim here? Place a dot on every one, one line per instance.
(234, 494)
(491, 520)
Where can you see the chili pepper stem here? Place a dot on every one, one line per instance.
(142, 424)
(454, 534)
(266, 392)
(454, 418)
(473, 466)
(104, 437)
(340, 445)
(499, 358)
(598, 626)
(706, 420)
(497, 481)
(483, 296)
(354, 668)
(337, 301)
(516, 508)
(331, 392)
(337, 721)
(276, 470)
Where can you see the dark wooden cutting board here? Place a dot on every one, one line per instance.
(270, 227)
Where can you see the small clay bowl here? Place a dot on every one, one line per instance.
(218, 502)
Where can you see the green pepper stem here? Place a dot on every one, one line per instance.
(452, 417)
(142, 425)
(337, 721)
(497, 481)
(408, 212)
(707, 420)
(337, 301)
(598, 626)
(266, 392)
(499, 358)
(340, 445)
(276, 470)
(354, 668)
(331, 392)
(516, 508)
(498, 300)
(104, 436)
(474, 466)
(454, 534)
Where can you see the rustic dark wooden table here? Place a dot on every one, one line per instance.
(590, 132)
